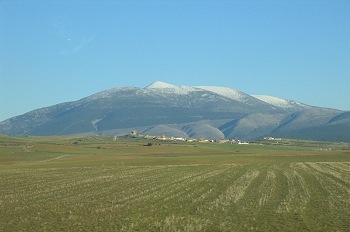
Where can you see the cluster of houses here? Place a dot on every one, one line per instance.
(272, 138)
(200, 140)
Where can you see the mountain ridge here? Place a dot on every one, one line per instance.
(204, 111)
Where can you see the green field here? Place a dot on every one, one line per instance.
(97, 184)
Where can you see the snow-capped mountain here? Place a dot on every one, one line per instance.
(162, 108)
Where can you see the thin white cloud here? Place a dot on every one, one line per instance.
(83, 43)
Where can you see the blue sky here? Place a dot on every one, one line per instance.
(58, 51)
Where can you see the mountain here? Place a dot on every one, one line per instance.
(181, 111)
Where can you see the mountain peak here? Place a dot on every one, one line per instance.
(160, 85)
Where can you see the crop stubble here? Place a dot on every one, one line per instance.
(306, 196)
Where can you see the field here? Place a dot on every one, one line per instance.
(97, 184)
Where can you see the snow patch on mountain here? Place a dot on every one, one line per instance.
(227, 92)
(107, 93)
(160, 85)
(165, 88)
(281, 103)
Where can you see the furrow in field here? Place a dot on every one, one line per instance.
(343, 167)
(298, 195)
(41, 182)
(339, 175)
(203, 194)
(190, 186)
(162, 185)
(267, 187)
(337, 195)
(236, 191)
(88, 188)
(175, 188)
(174, 193)
(133, 190)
